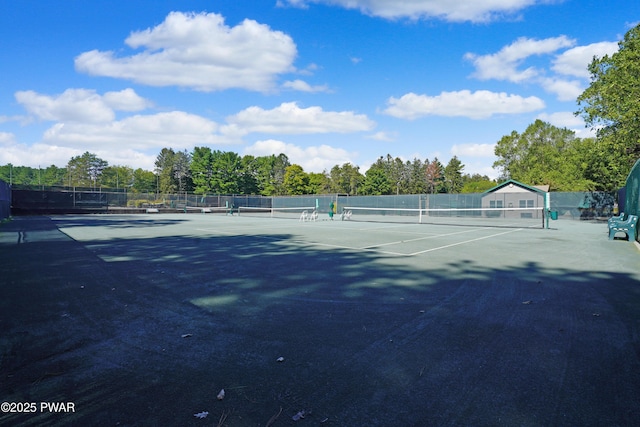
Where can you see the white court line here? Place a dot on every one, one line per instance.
(236, 229)
(430, 236)
(465, 242)
(373, 248)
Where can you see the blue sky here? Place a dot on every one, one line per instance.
(324, 81)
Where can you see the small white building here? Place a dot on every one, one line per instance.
(516, 200)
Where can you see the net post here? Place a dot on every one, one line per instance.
(547, 210)
(419, 210)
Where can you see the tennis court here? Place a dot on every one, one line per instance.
(143, 319)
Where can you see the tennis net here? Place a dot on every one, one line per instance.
(299, 213)
(207, 209)
(484, 217)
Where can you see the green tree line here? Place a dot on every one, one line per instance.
(207, 171)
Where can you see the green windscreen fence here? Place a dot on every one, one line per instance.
(583, 205)
(632, 198)
(20, 200)
(5, 200)
(68, 200)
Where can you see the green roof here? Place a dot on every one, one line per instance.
(514, 182)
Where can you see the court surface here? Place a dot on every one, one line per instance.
(143, 319)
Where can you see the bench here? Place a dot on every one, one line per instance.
(627, 226)
(620, 217)
(152, 210)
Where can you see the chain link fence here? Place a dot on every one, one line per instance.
(575, 206)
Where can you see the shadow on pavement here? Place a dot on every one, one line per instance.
(147, 332)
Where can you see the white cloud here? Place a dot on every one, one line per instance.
(448, 10)
(75, 105)
(36, 155)
(303, 86)
(7, 119)
(473, 150)
(174, 129)
(6, 138)
(80, 105)
(504, 64)
(383, 136)
(562, 119)
(309, 70)
(481, 168)
(289, 118)
(126, 100)
(565, 90)
(476, 105)
(200, 52)
(312, 159)
(507, 64)
(84, 120)
(574, 62)
(566, 119)
(44, 155)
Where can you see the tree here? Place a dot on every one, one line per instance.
(270, 174)
(376, 182)
(53, 175)
(433, 175)
(182, 172)
(144, 181)
(201, 168)
(280, 164)
(319, 183)
(453, 175)
(165, 171)
(346, 179)
(85, 170)
(597, 163)
(174, 171)
(249, 175)
(227, 171)
(117, 177)
(396, 171)
(545, 155)
(610, 105)
(509, 154)
(477, 183)
(417, 177)
(296, 181)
